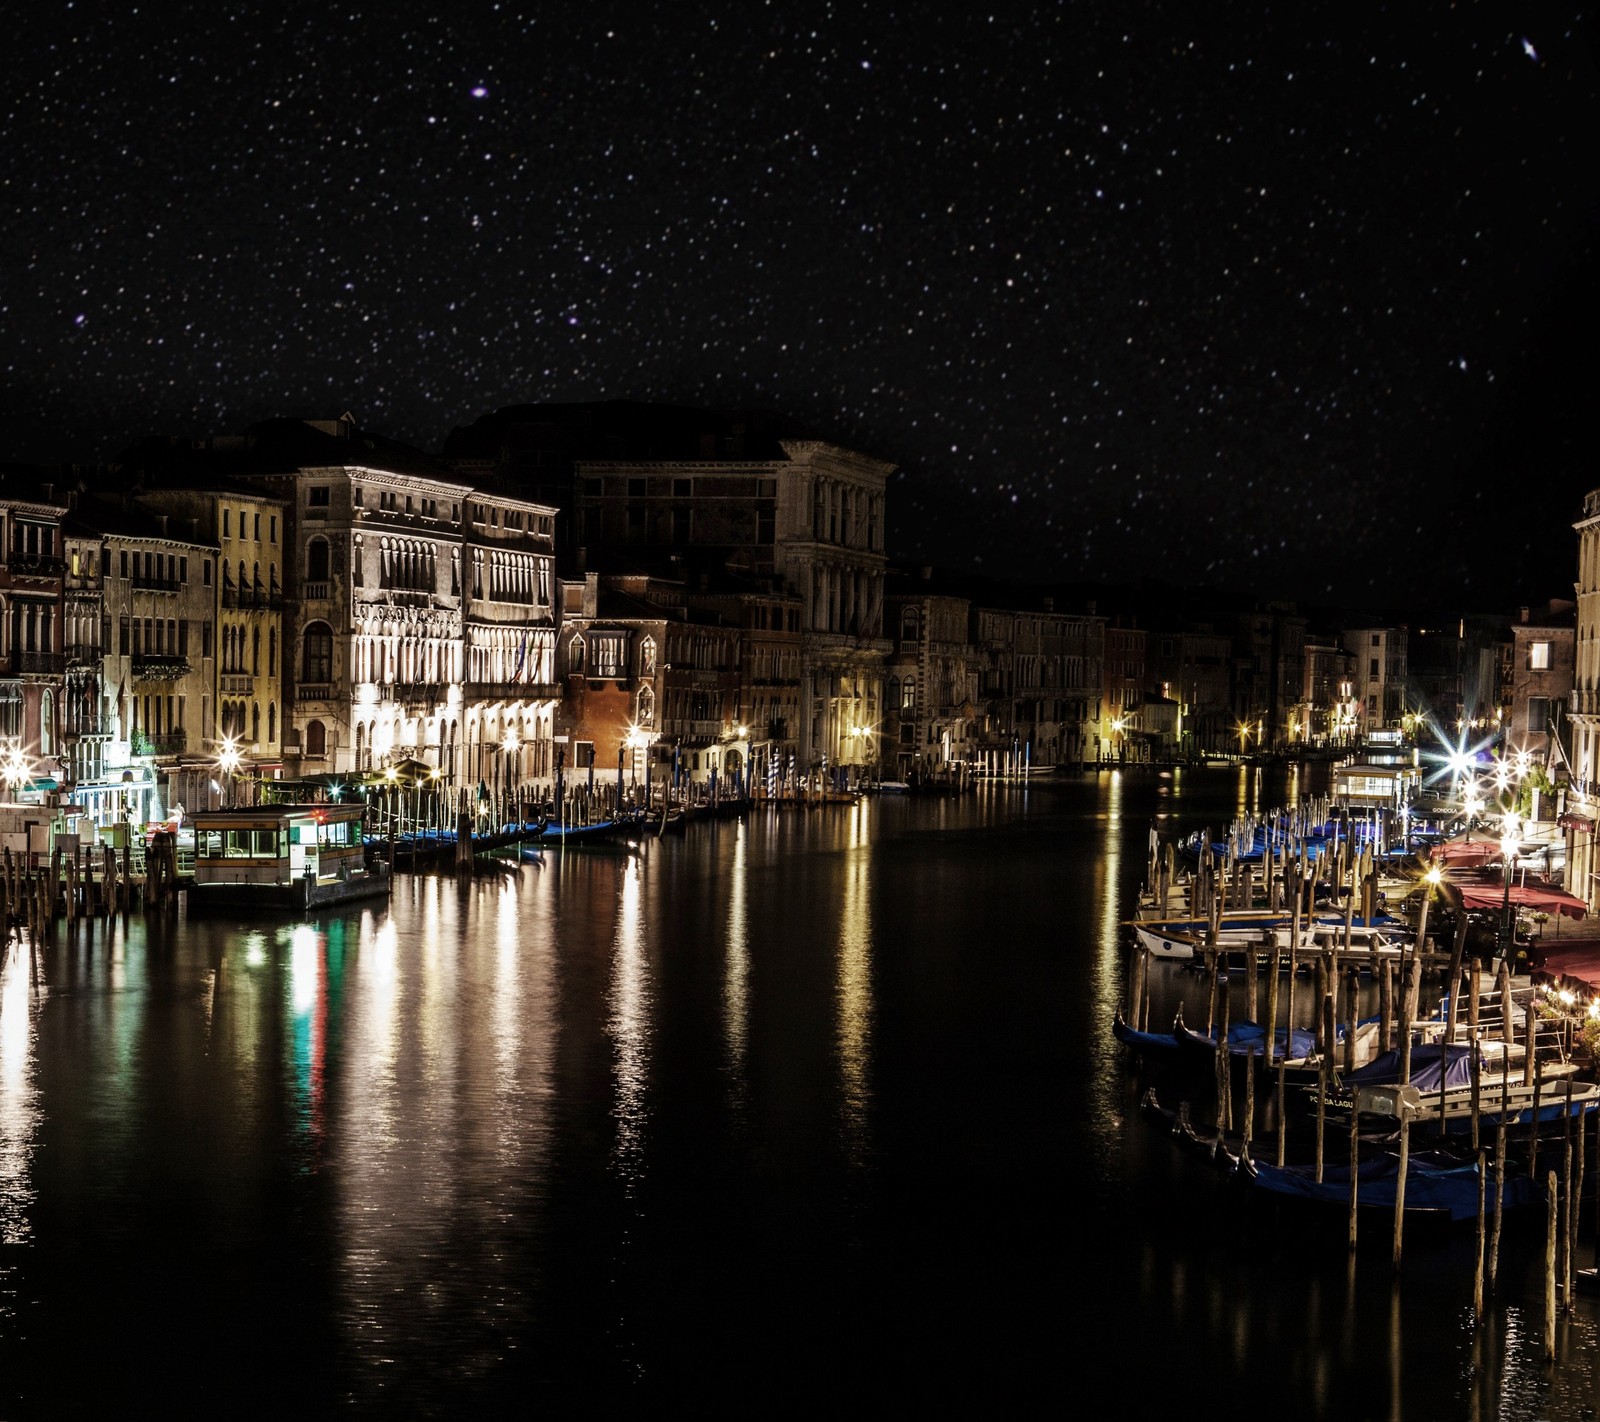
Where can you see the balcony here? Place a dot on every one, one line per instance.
(31, 565)
(511, 691)
(159, 667)
(84, 655)
(236, 598)
(235, 683)
(170, 743)
(319, 591)
(314, 691)
(149, 584)
(421, 693)
(37, 663)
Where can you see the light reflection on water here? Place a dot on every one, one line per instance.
(822, 1084)
(19, 1094)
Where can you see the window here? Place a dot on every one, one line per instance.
(318, 496)
(227, 523)
(1538, 715)
(608, 652)
(1538, 657)
(317, 560)
(575, 654)
(316, 663)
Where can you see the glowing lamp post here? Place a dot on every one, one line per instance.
(228, 764)
(508, 750)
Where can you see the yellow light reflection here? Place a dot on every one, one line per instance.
(736, 971)
(629, 1026)
(855, 1003)
(19, 1095)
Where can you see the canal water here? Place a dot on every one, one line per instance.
(815, 1109)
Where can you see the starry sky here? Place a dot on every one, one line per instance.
(1293, 298)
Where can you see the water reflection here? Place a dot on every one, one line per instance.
(629, 1027)
(854, 991)
(19, 1095)
(736, 970)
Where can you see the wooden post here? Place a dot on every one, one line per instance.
(1477, 1081)
(1400, 1185)
(1273, 967)
(1355, 1159)
(1499, 1183)
(1249, 1098)
(1386, 1006)
(1568, 1211)
(1352, 991)
(1530, 1036)
(1477, 1273)
(1550, 1270)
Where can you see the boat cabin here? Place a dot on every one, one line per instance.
(288, 855)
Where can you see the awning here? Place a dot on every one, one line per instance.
(1537, 898)
(1463, 852)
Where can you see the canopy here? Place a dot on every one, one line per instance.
(1538, 898)
(1465, 852)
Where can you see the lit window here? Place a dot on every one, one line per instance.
(1538, 656)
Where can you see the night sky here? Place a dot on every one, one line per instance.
(1298, 298)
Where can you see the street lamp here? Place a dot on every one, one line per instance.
(508, 748)
(15, 769)
(228, 763)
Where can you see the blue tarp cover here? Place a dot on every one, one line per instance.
(1384, 1070)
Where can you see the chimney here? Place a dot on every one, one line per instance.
(1524, 614)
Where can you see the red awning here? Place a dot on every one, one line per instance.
(1539, 898)
(1465, 852)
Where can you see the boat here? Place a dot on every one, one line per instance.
(1293, 1050)
(1524, 1107)
(557, 835)
(1439, 1186)
(1185, 940)
(291, 857)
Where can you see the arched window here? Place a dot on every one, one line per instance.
(316, 738)
(272, 723)
(255, 723)
(575, 654)
(647, 657)
(645, 711)
(316, 561)
(317, 662)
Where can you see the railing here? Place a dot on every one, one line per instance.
(420, 692)
(160, 668)
(314, 691)
(32, 565)
(318, 591)
(171, 743)
(511, 691)
(149, 584)
(84, 654)
(235, 683)
(233, 597)
(41, 662)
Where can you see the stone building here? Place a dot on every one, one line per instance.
(680, 493)
(158, 582)
(31, 663)
(249, 530)
(931, 689)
